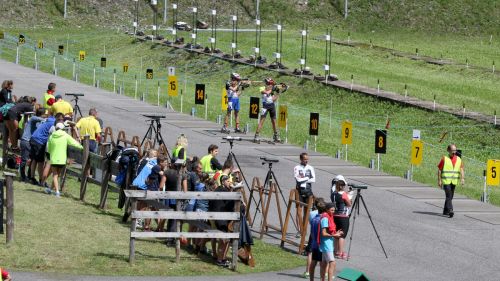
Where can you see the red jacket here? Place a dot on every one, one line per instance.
(331, 225)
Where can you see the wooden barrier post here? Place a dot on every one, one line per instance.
(85, 167)
(5, 145)
(133, 226)
(236, 229)
(303, 219)
(9, 178)
(106, 177)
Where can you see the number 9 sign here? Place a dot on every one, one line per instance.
(493, 172)
(346, 132)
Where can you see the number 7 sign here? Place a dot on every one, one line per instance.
(417, 152)
(493, 172)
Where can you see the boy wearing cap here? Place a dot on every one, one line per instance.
(327, 233)
(57, 147)
(62, 106)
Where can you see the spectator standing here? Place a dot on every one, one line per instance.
(343, 204)
(209, 163)
(327, 233)
(38, 143)
(29, 128)
(314, 254)
(14, 114)
(57, 147)
(62, 106)
(222, 206)
(6, 93)
(48, 97)
(90, 126)
(304, 178)
(181, 145)
(450, 169)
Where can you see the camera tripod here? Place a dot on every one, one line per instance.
(270, 179)
(154, 127)
(76, 109)
(355, 212)
(231, 140)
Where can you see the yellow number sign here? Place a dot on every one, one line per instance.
(347, 132)
(173, 86)
(82, 55)
(224, 100)
(493, 172)
(21, 40)
(40, 44)
(282, 116)
(417, 152)
(125, 67)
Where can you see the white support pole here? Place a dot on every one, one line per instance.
(206, 106)
(74, 69)
(165, 5)
(378, 161)
(158, 95)
(411, 173)
(136, 86)
(54, 70)
(346, 7)
(286, 130)
(93, 78)
(485, 193)
(114, 81)
(315, 142)
(36, 60)
(331, 106)
(65, 8)
(17, 54)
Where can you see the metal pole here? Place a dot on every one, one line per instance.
(485, 195)
(74, 69)
(17, 54)
(411, 173)
(182, 99)
(378, 161)
(346, 152)
(206, 106)
(165, 5)
(65, 8)
(93, 79)
(54, 65)
(114, 80)
(36, 60)
(346, 6)
(136, 85)
(315, 142)
(158, 95)
(331, 106)
(257, 10)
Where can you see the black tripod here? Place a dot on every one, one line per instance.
(231, 140)
(154, 128)
(76, 108)
(270, 179)
(355, 211)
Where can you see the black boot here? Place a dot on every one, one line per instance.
(22, 171)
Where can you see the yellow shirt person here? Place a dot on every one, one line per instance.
(62, 106)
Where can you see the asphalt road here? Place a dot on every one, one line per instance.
(421, 244)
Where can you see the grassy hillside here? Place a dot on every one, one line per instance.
(435, 16)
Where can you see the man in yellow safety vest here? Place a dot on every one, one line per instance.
(209, 163)
(450, 169)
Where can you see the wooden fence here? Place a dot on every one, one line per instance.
(141, 195)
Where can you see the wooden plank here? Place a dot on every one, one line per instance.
(217, 235)
(75, 154)
(9, 178)
(147, 195)
(96, 161)
(185, 215)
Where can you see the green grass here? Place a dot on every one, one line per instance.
(478, 140)
(65, 235)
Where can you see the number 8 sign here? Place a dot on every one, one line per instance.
(493, 172)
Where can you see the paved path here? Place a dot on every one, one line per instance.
(421, 244)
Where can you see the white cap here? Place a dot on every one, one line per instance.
(336, 179)
(59, 126)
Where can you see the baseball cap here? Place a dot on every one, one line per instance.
(340, 178)
(59, 126)
(58, 97)
(156, 169)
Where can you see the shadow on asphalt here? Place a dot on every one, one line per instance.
(429, 213)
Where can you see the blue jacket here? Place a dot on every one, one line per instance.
(42, 133)
(140, 180)
(31, 127)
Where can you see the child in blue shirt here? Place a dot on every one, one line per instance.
(327, 234)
